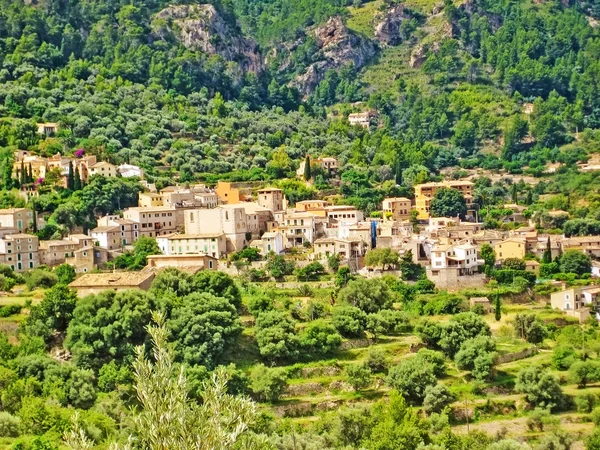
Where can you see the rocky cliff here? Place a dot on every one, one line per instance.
(337, 47)
(201, 27)
(387, 28)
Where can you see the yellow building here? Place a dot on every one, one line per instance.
(424, 193)
(227, 193)
(510, 248)
(150, 200)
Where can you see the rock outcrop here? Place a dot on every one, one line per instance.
(387, 29)
(337, 47)
(201, 27)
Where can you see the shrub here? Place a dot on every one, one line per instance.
(563, 357)
(585, 402)
(437, 398)
(267, 384)
(10, 310)
(377, 361)
(358, 376)
(411, 378)
(595, 416)
(40, 278)
(9, 425)
(350, 321)
(319, 338)
(260, 303)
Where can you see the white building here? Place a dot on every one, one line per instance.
(462, 257)
(272, 242)
(212, 244)
(129, 171)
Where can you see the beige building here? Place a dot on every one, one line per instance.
(150, 200)
(424, 193)
(511, 248)
(20, 251)
(56, 252)
(311, 205)
(576, 301)
(94, 283)
(47, 129)
(187, 263)
(362, 119)
(343, 213)
(397, 208)
(271, 198)
(18, 218)
(88, 258)
(230, 220)
(590, 245)
(104, 169)
(156, 221)
(214, 245)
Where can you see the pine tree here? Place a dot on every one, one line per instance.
(547, 257)
(307, 168)
(77, 181)
(71, 177)
(497, 308)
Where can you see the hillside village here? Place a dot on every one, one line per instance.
(200, 228)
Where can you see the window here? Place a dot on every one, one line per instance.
(31, 264)
(210, 264)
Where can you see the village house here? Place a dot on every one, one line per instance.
(47, 129)
(590, 245)
(397, 208)
(214, 244)
(156, 221)
(271, 242)
(94, 283)
(271, 199)
(20, 219)
(56, 252)
(104, 169)
(20, 251)
(484, 302)
(362, 119)
(230, 220)
(130, 171)
(462, 257)
(510, 248)
(424, 193)
(576, 301)
(88, 258)
(187, 263)
(323, 248)
(328, 164)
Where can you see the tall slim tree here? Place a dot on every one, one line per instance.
(497, 308)
(547, 257)
(71, 177)
(77, 181)
(307, 168)
(22, 175)
(514, 193)
(30, 174)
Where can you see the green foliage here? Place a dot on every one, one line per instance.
(218, 284)
(410, 271)
(461, 328)
(411, 378)
(40, 278)
(278, 267)
(574, 261)
(437, 398)
(350, 321)
(513, 264)
(382, 257)
(377, 361)
(319, 338)
(448, 203)
(541, 389)
(477, 355)
(108, 326)
(368, 295)
(359, 376)
(563, 357)
(260, 303)
(584, 372)
(203, 326)
(267, 384)
(9, 425)
(530, 328)
(276, 336)
(65, 273)
(311, 271)
(54, 312)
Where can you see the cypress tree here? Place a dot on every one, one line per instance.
(22, 175)
(514, 193)
(77, 181)
(30, 174)
(529, 199)
(71, 177)
(497, 308)
(547, 257)
(307, 169)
